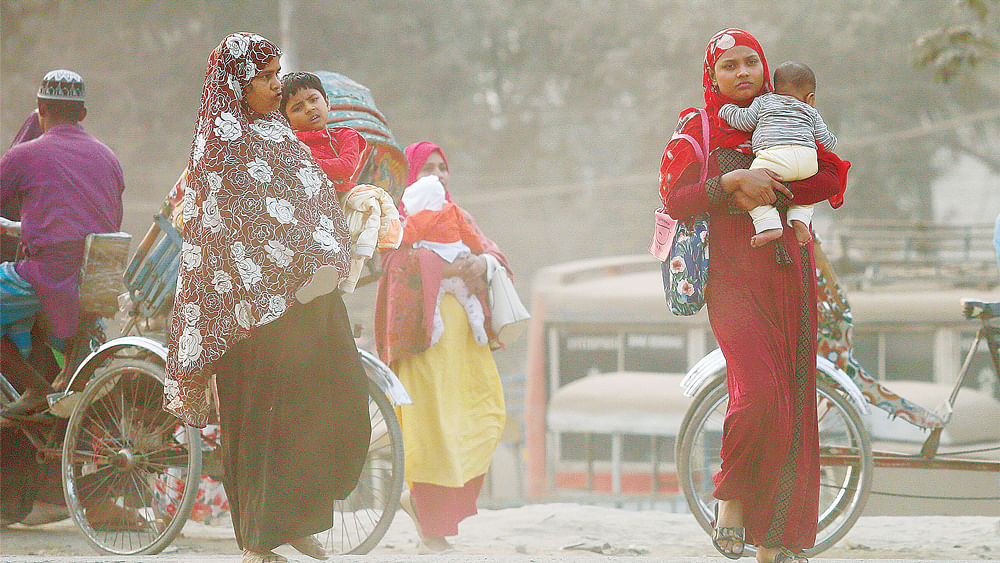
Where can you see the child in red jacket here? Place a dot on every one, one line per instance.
(338, 150)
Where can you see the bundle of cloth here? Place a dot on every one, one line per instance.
(373, 223)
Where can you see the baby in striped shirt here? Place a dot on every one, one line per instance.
(786, 131)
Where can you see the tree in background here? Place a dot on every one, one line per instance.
(956, 46)
(963, 54)
(571, 101)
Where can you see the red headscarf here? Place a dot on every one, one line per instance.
(679, 155)
(416, 155)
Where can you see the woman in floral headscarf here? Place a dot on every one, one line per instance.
(762, 308)
(454, 424)
(265, 243)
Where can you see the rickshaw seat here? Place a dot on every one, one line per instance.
(104, 259)
(151, 276)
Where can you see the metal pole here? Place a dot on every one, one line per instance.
(288, 59)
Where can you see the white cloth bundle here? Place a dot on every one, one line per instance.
(373, 222)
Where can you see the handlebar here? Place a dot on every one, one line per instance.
(975, 309)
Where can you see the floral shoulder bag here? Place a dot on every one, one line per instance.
(682, 246)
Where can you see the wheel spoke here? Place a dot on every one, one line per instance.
(98, 440)
(108, 416)
(129, 447)
(79, 457)
(105, 479)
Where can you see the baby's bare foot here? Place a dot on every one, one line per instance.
(802, 232)
(764, 237)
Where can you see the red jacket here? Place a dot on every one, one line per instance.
(338, 151)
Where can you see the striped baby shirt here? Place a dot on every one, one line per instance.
(776, 119)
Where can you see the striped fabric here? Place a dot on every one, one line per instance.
(779, 120)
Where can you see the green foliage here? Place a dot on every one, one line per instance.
(953, 47)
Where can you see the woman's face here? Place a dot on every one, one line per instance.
(435, 165)
(263, 94)
(739, 73)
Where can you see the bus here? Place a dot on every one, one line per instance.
(614, 433)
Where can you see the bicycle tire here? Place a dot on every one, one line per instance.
(844, 488)
(362, 519)
(123, 451)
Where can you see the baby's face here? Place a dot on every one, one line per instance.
(307, 110)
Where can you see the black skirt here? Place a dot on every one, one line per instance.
(295, 424)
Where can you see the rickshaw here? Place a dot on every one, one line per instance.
(361, 519)
(129, 470)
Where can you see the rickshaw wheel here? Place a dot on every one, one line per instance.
(846, 463)
(130, 470)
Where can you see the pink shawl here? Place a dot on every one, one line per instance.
(407, 293)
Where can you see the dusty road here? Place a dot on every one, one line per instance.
(545, 533)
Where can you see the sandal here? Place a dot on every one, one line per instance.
(309, 545)
(733, 534)
(786, 555)
(30, 403)
(430, 546)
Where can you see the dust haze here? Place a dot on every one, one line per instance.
(553, 113)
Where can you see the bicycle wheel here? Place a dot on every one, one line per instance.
(129, 472)
(846, 463)
(361, 519)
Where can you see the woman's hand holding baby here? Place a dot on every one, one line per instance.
(752, 188)
(471, 268)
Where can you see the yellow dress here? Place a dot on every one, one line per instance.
(454, 424)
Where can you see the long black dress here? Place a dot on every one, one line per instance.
(295, 423)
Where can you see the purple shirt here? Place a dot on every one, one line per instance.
(68, 185)
(31, 129)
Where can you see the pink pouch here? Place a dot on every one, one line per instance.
(663, 235)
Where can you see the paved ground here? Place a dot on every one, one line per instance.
(549, 533)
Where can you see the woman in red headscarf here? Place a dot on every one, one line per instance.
(762, 308)
(454, 424)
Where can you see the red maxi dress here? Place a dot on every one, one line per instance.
(763, 315)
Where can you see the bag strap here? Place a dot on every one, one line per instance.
(700, 149)
(704, 145)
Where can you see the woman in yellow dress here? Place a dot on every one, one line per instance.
(454, 424)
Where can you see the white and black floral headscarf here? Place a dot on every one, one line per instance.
(260, 217)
